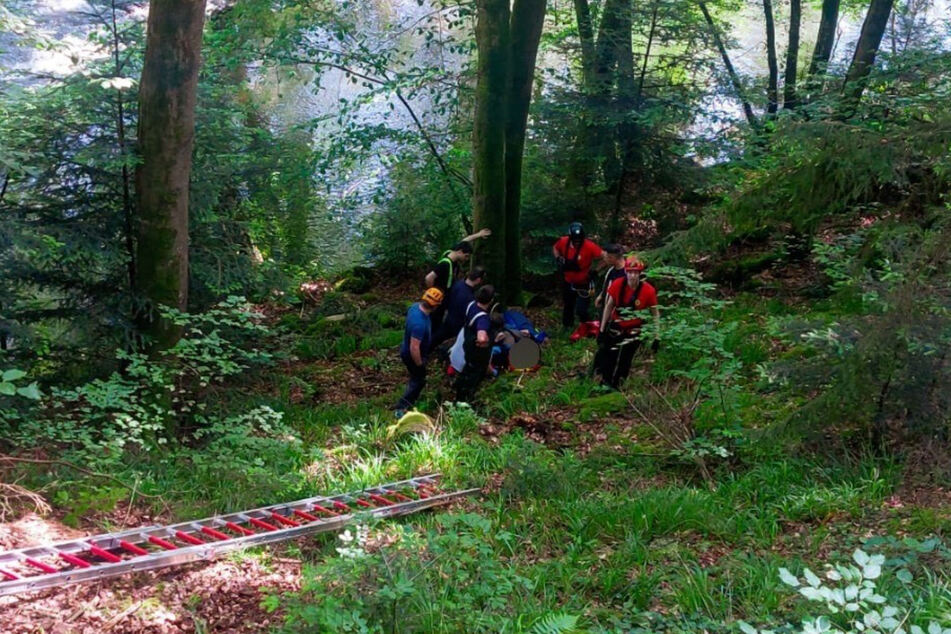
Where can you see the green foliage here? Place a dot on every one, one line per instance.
(443, 579)
(881, 362)
(142, 407)
(854, 602)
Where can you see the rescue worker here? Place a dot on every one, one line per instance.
(457, 302)
(614, 258)
(415, 347)
(476, 344)
(619, 338)
(444, 273)
(448, 267)
(575, 254)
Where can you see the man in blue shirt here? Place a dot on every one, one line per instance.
(417, 337)
(476, 343)
(460, 296)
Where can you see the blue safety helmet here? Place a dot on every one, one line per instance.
(575, 231)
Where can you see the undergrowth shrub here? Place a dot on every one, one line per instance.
(446, 578)
(153, 400)
(859, 597)
(879, 371)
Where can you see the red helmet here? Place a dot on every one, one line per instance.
(634, 263)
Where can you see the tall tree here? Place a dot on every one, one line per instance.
(792, 56)
(876, 20)
(772, 86)
(507, 43)
(528, 17)
(586, 35)
(167, 95)
(825, 38)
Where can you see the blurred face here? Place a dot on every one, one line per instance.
(633, 276)
(577, 242)
(611, 258)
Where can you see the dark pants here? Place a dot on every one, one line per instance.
(417, 381)
(477, 364)
(445, 332)
(614, 358)
(574, 304)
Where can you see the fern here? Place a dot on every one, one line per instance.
(556, 623)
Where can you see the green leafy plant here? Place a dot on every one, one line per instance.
(852, 601)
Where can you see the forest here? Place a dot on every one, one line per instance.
(660, 289)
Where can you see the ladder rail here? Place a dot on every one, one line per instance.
(110, 541)
(204, 539)
(163, 558)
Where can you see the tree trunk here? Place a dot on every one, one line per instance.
(734, 78)
(488, 201)
(772, 87)
(167, 95)
(792, 55)
(528, 17)
(127, 214)
(825, 38)
(586, 35)
(865, 51)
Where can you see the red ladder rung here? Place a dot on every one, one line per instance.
(284, 520)
(76, 561)
(399, 496)
(207, 530)
(132, 548)
(185, 537)
(364, 503)
(342, 506)
(262, 524)
(379, 498)
(9, 575)
(40, 565)
(158, 541)
(241, 530)
(307, 516)
(103, 554)
(318, 507)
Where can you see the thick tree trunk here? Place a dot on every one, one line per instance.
(167, 95)
(825, 38)
(772, 86)
(731, 71)
(792, 55)
(488, 202)
(528, 17)
(876, 20)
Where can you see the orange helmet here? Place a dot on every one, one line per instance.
(634, 263)
(433, 296)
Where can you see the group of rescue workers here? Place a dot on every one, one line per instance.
(457, 318)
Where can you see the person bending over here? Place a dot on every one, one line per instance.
(415, 347)
(476, 344)
(457, 302)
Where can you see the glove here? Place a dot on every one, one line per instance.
(560, 261)
(655, 345)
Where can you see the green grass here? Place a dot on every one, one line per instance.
(619, 537)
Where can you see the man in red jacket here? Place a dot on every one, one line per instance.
(621, 322)
(575, 254)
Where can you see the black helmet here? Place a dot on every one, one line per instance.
(575, 231)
